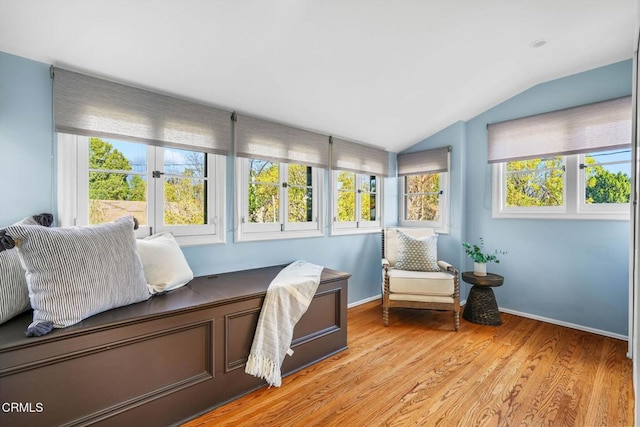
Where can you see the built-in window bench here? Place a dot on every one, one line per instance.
(161, 361)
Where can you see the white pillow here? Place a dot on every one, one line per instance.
(163, 262)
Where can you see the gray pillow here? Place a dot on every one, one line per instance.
(417, 254)
(14, 294)
(76, 272)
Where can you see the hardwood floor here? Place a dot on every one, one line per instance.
(418, 371)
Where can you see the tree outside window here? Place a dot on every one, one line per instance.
(118, 183)
(265, 194)
(355, 200)
(541, 182)
(535, 182)
(422, 197)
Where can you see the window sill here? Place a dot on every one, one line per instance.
(355, 231)
(437, 227)
(279, 235)
(586, 216)
(185, 241)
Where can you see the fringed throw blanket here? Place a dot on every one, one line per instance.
(288, 297)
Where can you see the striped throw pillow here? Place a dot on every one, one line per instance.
(14, 294)
(76, 272)
(417, 254)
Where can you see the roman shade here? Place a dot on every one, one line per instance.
(354, 157)
(266, 140)
(588, 128)
(89, 106)
(427, 161)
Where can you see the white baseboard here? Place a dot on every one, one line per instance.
(527, 315)
(566, 324)
(364, 301)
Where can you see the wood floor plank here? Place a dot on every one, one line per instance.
(418, 371)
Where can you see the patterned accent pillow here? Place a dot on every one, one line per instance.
(76, 272)
(417, 254)
(14, 294)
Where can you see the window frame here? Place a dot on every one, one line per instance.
(245, 231)
(358, 226)
(73, 193)
(574, 206)
(440, 226)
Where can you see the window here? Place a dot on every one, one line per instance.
(356, 186)
(169, 184)
(567, 164)
(278, 200)
(424, 182)
(582, 186)
(605, 179)
(166, 189)
(535, 182)
(356, 202)
(424, 200)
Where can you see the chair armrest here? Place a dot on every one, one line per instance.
(448, 267)
(385, 263)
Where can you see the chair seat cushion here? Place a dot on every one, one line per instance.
(421, 298)
(420, 283)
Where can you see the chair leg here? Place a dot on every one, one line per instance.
(385, 315)
(456, 320)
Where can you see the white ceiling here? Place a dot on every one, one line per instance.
(387, 73)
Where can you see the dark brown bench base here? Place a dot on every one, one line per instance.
(162, 361)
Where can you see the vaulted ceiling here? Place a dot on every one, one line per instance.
(382, 72)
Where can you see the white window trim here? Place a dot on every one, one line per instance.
(245, 232)
(442, 226)
(358, 226)
(72, 209)
(573, 196)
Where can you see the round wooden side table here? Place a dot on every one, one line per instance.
(481, 306)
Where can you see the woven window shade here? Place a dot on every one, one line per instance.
(90, 106)
(262, 139)
(588, 128)
(354, 157)
(427, 161)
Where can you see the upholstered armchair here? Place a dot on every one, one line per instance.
(413, 277)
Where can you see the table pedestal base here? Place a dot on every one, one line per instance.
(481, 307)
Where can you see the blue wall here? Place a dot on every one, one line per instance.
(26, 188)
(574, 272)
(569, 271)
(26, 184)
(449, 248)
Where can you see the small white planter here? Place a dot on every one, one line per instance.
(480, 268)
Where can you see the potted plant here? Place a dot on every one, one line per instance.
(480, 258)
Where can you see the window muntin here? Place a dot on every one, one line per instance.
(117, 183)
(345, 191)
(264, 192)
(606, 177)
(368, 198)
(277, 200)
(424, 201)
(421, 197)
(355, 202)
(300, 190)
(535, 182)
(167, 190)
(185, 183)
